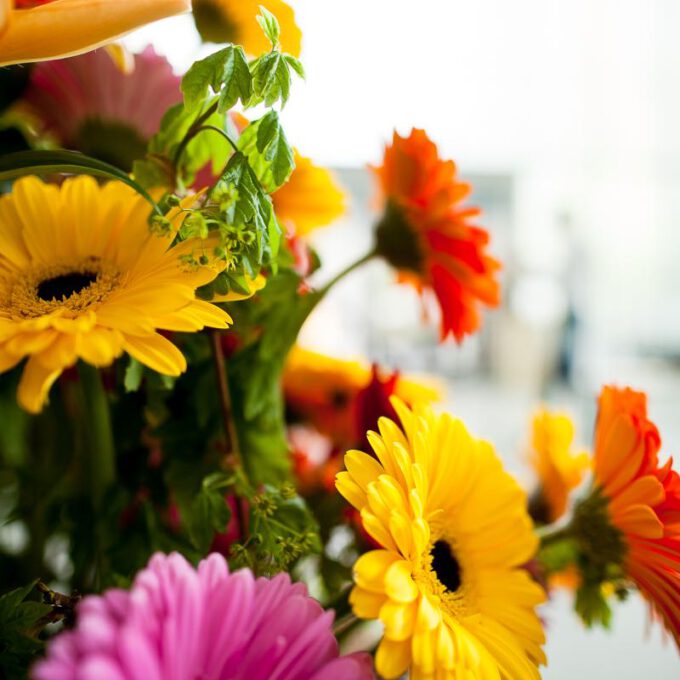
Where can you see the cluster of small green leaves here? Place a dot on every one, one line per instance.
(20, 620)
(246, 168)
(281, 530)
(230, 76)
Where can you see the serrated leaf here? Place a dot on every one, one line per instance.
(156, 170)
(270, 25)
(225, 72)
(252, 206)
(237, 81)
(271, 80)
(18, 619)
(210, 514)
(295, 64)
(269, 154)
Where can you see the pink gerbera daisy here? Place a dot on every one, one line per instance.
(89, 103)
(182, 623)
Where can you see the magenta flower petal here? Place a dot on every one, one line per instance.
(181, 623)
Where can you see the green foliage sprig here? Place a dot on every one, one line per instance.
(247, 168)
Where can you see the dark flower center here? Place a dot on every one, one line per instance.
(65, 285)
(398, 242)
(445, 566)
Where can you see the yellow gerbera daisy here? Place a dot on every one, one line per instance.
(235, 21)
(82, 277)
(559, 470)
(50, 29)
(448, 584)
(310, 199)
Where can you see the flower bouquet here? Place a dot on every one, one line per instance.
(187, 492)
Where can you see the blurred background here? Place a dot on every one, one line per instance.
(565, 117)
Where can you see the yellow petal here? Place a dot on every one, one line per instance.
(399, 584)
(365, 604)
(310, 199)
(363, 468)
(121, 57)
(371, 568)
(348, 488)
(157, 353)
(35, 384)
(393, 658)
(399, 619)
(68, 27)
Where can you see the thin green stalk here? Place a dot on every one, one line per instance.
(551, 534)
(100, 453)
(193, 131)
(355, 265)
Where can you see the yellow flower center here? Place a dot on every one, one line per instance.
(71, 286)
(442, 574)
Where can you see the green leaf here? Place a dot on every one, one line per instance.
(43, 162)
(210, 514)
(271, 80)
(295, 64)
(225, 72)
(251, 207)
(133, 375)
(270, 26)
(592, 606)
(156, 170)
(274, 321)
(18, 619)
(269, 154)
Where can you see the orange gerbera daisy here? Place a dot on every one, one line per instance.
(643, 499)
(427, 235)
(339, 397)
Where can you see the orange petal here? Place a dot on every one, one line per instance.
(68, 27)
(640, 520)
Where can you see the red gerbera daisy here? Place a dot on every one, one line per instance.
(427, 234)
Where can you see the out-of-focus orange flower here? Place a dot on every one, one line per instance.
(323, 391)
(235, 21)
(316, 460)
(427, 235)
(643, 499)
(558, 469)
(311, 198)
(35, 31)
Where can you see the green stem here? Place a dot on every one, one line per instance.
(551, 534)
(193, 131)
(227, 410)
(355, 265)
(101, 459)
